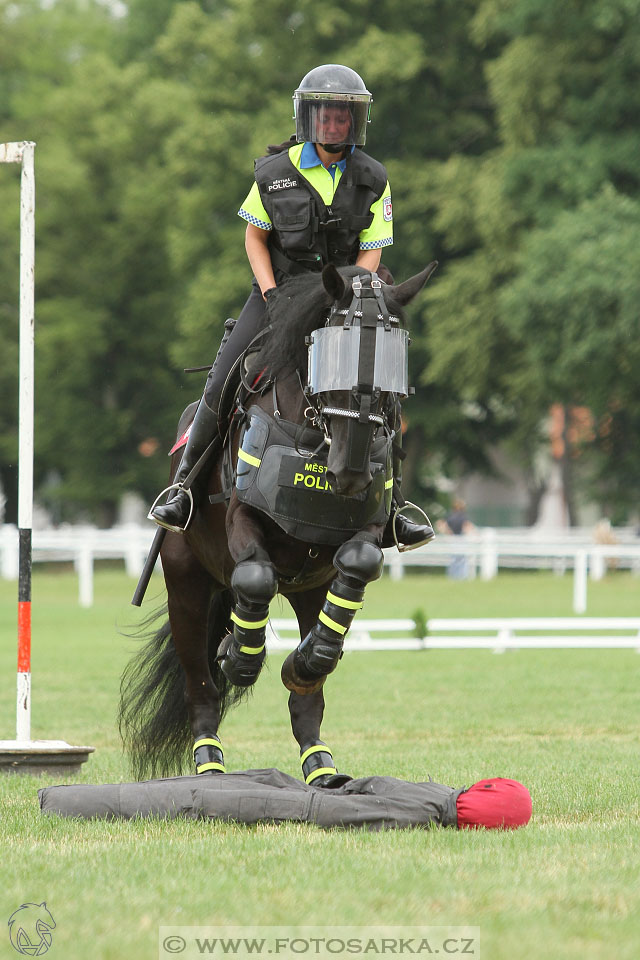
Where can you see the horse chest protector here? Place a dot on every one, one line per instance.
(278, 474)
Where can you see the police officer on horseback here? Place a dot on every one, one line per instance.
(316, 199)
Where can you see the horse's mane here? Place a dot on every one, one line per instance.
(297, 307)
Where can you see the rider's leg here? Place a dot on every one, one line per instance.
(175, 514)
(408, 532)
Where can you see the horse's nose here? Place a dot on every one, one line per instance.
(348, 484)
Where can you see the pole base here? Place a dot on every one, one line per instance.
(41, 756)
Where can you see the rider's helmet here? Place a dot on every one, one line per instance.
(332, 87)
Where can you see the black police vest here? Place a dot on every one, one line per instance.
(306, 232)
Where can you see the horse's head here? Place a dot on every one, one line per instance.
(358, 368)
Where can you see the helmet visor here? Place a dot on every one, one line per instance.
(333, 118)
(334, 358)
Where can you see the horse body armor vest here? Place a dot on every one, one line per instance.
(306, 230)
(278, 474)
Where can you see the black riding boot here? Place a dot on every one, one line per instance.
(409, 533)
(174, 515)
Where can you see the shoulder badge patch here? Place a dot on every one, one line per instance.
(387, 209)
(284, 184)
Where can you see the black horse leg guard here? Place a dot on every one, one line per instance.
(242, 654)
(316, 761)
(318, 766)
(208, 756)
(358, 562)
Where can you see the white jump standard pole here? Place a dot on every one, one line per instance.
(24, 754)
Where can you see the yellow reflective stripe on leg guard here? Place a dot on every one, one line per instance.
(248, 458)
(211, 766)
(332, 623)
(316, 748)
(320, 772)
(250, 624)
(252, 649)
(347, 604)
(208, 742)
(388, 484)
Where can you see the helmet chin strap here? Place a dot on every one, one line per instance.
(333, 147)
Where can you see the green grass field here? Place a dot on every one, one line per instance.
(565, 723)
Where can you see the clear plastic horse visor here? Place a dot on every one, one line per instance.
(334, 355)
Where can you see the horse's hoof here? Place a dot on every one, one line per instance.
(293, 681)
(331, 781)
(240, 669)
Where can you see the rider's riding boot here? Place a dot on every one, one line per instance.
(174, 515)
(409, 533)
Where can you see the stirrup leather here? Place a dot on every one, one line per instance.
(402, 548)
(171, 526)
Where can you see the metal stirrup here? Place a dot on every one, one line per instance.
(172, 526)
(402, 548)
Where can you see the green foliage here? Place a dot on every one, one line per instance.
(538, 302)
(509, 130)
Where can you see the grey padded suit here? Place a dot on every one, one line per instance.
(255, 796)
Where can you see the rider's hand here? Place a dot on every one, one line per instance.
(266, 293)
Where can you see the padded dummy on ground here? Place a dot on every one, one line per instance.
(258, 796)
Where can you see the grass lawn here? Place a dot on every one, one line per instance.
(565, 723)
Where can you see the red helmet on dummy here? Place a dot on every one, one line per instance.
(498, 803)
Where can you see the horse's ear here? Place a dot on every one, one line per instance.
(333, 282)
(405, 292)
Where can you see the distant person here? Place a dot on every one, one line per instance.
(604, 536)
(603, 533)
(457, 524)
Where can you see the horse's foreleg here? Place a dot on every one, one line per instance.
(358, 562)
(316, 758)
(306, 712)
(254, 583)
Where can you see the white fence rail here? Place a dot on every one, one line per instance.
(485, 553)
(82, 546)
(498, 634)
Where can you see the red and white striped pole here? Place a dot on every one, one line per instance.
(25, 436)
(39, 754)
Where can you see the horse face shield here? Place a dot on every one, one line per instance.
(365, 357)
(334, 360)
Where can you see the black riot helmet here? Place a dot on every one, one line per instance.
(326, 88)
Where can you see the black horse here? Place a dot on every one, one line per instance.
(223, 573)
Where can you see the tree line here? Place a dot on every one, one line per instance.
(509, 129)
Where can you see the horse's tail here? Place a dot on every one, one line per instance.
(153, 719)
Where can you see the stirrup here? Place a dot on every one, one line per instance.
(172, 526)
(402, 548)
